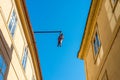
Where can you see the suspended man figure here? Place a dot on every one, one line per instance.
(60, 39)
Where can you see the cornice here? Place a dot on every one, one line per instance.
(90, 27)
(23, 14)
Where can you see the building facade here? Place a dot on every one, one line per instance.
(100, 47)
(18, 52)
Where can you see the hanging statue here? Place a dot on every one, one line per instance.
(60, 39)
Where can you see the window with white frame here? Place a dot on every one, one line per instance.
(12, 23)
(24, 60)
(3, 67)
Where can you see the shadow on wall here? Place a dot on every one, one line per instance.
(6, 51)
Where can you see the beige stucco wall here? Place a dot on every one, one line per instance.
(12, 48)
(91, 69)
(109, 55)
(10, 70)
(104, 28)
(93, 64)
(112, 65)
(6, 6)
(29, 67)
(19, 41)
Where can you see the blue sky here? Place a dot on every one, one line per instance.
(70, 17)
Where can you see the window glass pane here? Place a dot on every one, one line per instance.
(25, 58)
(96, 43)
(13, 29)
(3, 68)
(10, 25)
(95, 47)
(113, 2)
(1, 60)
(13, 22)
(13, 13)
(23, 61)
(1, 76)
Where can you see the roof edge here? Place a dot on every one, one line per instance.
(89, 28)
(27, 28)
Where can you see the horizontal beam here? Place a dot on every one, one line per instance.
(38, 32)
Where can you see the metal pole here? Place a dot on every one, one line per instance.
(47, 32)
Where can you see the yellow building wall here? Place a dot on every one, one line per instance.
(117, 10)
(91, 68)
(105, 66)
(104, 28)
(111, 64)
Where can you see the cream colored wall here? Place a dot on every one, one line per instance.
(29, 67)
(19, 42)
(10, 70)
(14, 59)
(17, 65)
(6, 6)
(3, 28)
(14, 62)
(29, 71)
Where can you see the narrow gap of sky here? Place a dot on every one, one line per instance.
(70, 17)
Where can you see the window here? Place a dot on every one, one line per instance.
(96, 43)
(113, 19)
(97, 47)
(12, 23)
(24, 60)
(117, 10)
(33, 77)
(2, 67)
(105, 76)
(110, 6)
(113, 2)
